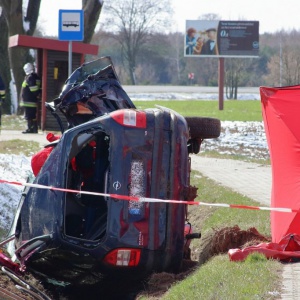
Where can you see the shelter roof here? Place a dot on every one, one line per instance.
(51, 44)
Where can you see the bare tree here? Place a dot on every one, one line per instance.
(284, 65)
(134, 21)
(238, 72)
(15, 21)
(234, 68)
(284, 69)
(4, 62)
(210, 17)
(175, 55)
(290, 66)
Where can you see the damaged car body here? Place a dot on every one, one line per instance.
(111, 159)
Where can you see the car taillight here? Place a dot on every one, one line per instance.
(123, 257)
(130, 117)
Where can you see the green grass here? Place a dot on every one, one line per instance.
(234, 110)
(212, 192)
(17, 146)
(220, 278)
(235, 156)
(13, 122)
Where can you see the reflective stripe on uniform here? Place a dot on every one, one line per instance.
(34, 88)
(28, 104)
(2, 96)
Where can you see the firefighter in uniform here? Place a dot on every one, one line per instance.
(31, 88)
(2, 97)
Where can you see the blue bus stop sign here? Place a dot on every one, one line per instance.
(70, 25)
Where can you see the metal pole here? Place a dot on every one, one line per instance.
(70, 58)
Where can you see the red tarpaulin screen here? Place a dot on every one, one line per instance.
(281, 116)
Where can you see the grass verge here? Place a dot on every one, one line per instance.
(219, 278)
(222, 279)
(216, 154)
(17, 146)
(13, 122)
(234, 110)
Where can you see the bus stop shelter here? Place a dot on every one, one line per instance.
(52, 67)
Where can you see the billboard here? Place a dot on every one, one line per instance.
(221, 38)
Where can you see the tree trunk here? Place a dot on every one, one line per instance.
(4, 62)
(236, 82)
(16, 54)
(32, 14)
(132, 76)
(235, 91)
(92, 10)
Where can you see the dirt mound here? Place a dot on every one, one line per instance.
(220, 241)
(159, 283)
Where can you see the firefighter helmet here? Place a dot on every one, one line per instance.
(28, 68)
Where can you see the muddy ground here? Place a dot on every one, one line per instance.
(218, 241)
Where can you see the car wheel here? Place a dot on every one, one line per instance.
(203, 128)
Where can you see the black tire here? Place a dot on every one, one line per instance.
(203, 128)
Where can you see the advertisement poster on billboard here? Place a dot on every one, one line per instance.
(221, 38)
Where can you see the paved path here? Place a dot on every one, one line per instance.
(254, 181)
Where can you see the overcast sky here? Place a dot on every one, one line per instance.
(273, 15)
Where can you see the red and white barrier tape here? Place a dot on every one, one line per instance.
(145, 199)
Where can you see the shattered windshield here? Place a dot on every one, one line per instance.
(92, 91)
(88, 69)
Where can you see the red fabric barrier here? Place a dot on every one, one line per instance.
(288, 249)
(281, 115)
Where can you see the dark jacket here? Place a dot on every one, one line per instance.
(209, 48)
(31, 88)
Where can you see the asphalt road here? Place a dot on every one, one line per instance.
(182, 89)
